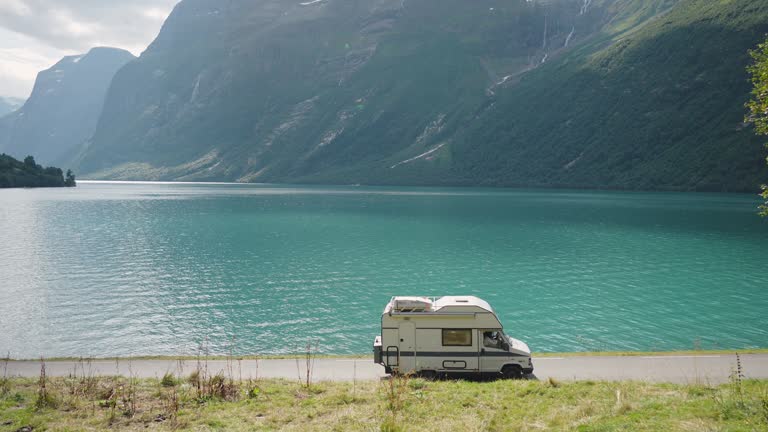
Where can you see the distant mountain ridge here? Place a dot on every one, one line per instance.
(64, 107)
(9, 105)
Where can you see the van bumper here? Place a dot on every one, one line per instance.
(528, 370)
(377, 354)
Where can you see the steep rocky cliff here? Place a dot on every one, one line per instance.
(64, 107)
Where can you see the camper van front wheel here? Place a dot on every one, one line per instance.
(512, 372)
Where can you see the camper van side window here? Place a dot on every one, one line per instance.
(457, 337)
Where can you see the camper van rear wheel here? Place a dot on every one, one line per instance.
(512, 372)
(428, 375)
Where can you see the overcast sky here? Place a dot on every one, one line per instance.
(35, 34)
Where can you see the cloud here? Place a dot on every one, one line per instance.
(15, 7)
(35, 34)
(155, 14)
(21, 58)
(67, 25)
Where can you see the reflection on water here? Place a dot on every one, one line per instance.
(130, 269)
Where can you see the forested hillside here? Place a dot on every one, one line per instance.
(661, 108)
(28, 174)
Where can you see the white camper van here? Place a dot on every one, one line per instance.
(447, 335)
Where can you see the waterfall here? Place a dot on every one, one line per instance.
(196, 90)
(585, 7)
(570, 36)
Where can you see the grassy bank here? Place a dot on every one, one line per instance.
(204, 403)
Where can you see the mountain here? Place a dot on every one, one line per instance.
(637, 94)
(64, 107)
(9, 105)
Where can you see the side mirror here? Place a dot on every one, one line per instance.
(505, 346)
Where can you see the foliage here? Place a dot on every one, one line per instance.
(69, 181)
(44, 398)
(15, 174)
(758, 105)
(168, 380)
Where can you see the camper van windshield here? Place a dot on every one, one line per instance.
(505, 341)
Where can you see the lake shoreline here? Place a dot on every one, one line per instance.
(692, 353)
(474, 188)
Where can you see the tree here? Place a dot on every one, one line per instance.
(30, 161)
(70, 180)
(758, 105)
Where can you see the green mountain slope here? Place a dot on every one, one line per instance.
(659, 109)
(601, 93)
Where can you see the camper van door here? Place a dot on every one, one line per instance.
(407, 335)
(493, 353)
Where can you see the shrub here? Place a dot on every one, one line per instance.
(168, 380)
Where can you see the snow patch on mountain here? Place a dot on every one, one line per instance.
(432, 129)
(297, 115)
(421, 156)
(572, 163)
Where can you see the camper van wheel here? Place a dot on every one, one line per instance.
(428, 375)
(512, 372)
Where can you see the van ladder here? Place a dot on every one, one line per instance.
(393, 351)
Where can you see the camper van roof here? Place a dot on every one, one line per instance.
(462, 301)
(442, 302)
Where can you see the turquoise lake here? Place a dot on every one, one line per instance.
(162, 269)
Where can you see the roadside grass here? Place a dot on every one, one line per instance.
(300, 355)
(213, 403)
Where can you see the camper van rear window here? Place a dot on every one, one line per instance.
(457, 337)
